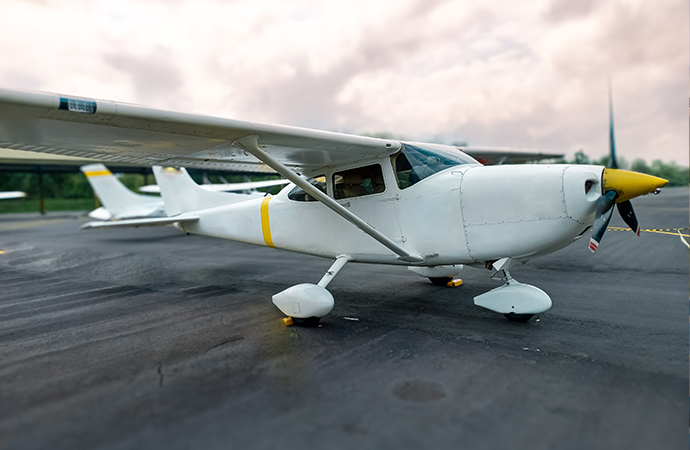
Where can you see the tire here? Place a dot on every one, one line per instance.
(308, 322)
(440, 281)
(518, 317)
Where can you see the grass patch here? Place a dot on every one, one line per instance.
(22, 205)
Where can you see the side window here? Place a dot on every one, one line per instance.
(357, 182)
(298, 194)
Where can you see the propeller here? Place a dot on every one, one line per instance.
(603, 217)
(618, 187)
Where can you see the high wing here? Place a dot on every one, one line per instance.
(110, 131)
(7, 195)
(507, 155)
(121, 132)
(224, 187)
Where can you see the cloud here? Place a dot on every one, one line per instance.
(562, 10)
(489, 72)
(154, 76)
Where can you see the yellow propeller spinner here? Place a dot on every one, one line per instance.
(630, 184)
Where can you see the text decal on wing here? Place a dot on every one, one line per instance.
(265, 223)
(77, 105)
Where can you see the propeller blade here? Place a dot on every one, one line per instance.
(627, 212)
(613, 162)
(603, 217)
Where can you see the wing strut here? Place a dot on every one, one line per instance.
(251, 144)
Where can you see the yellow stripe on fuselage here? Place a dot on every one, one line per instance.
(97, 173)
(265, 222)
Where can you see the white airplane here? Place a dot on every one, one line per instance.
(429, 207)
(8, 195)
(120, 203)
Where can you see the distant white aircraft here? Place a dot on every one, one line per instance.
(120, 203)
(429, 207)
(7, 195)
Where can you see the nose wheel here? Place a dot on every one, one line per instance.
(516, 301)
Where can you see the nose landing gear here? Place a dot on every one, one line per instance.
(516, 301)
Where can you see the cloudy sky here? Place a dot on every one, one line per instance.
(489, 73)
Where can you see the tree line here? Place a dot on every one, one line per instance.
(58, 185)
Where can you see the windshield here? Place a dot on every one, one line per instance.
(416, 162)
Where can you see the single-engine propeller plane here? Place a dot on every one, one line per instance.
(429, 207)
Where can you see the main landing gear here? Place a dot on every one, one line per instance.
(305, 304)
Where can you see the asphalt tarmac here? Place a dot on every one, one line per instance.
(149, 338)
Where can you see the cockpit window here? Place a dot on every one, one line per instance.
(298, 194)
(416, 162)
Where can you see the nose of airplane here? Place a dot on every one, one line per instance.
(629, 184)
(618, 187)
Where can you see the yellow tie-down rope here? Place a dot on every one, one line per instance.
(671, 231)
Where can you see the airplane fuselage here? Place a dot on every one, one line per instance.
(486, 213)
